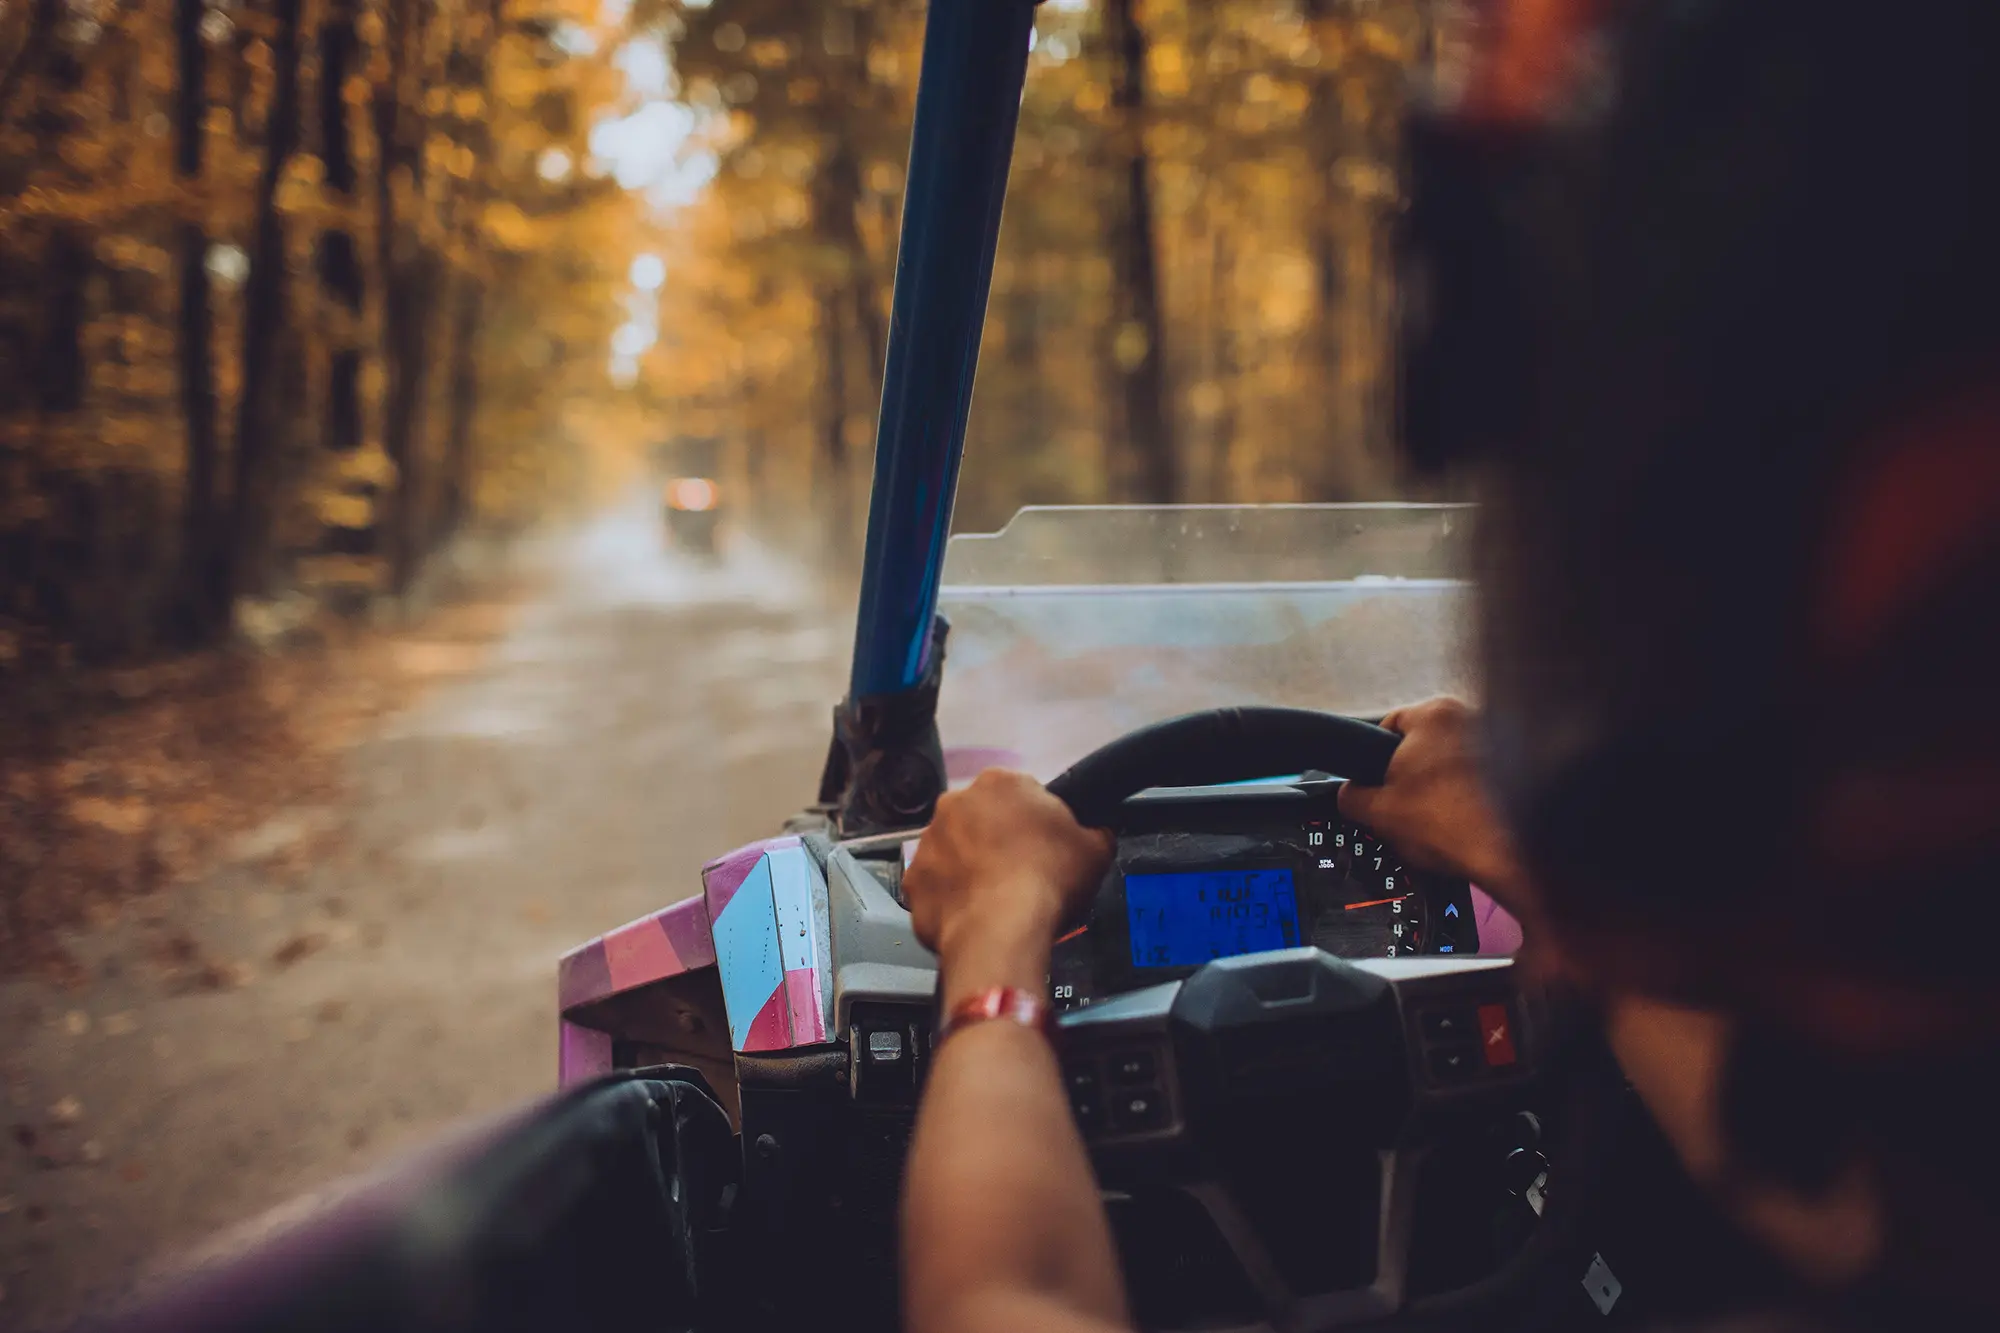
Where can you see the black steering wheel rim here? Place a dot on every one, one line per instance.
(1221, 745)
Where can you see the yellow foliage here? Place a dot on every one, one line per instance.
(508, 226)
(338, 509)
(367, 465)
(1168, 66)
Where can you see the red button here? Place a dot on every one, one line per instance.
(1498, 1037)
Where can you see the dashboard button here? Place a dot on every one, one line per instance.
(1134, 1110)
(1134, 1067)
(1496, 1035)
(1455, 1063)
(1448, 1025)
(1084, 1098)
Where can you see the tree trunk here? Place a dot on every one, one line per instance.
(41, 29)
(62, 371)
(454, 485)
(199, 544)
(1225, 366)
(837, 196)
(1138, 342)
(833, 410)
(1329, 472)
(455, 498)
(408, 283)
(408, 307)
(257, 423)
(863, 278)
(341, 274)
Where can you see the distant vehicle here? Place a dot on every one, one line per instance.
(693, 513)
(691, 499)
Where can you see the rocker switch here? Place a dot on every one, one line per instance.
(1134, 1067)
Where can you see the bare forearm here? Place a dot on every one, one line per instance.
(1000, 1205)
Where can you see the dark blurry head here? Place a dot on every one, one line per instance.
(1705, 296)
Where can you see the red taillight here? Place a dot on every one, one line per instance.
(691, 493)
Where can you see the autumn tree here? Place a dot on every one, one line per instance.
(247, 262)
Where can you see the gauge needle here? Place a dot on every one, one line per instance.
(1061, 939)
(1374, 902)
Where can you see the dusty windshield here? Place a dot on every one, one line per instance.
(1071, 626)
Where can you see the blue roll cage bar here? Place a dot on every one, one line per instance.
(886, 768)
(975, 63)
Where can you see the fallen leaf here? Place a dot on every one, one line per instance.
(66, 1112)
(221, 976)
(127, 816)
(297, 947)
(177, 948)
(76, 1022)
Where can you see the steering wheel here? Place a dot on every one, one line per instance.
(1222, 745)
(1195, 1083)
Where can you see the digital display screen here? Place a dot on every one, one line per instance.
(1186, 918)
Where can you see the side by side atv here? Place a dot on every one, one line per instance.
(1315, 1091)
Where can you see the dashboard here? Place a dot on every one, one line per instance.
(1213, 872)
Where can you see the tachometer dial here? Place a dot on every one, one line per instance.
(1382, 925)
(1372, 863)
(1378, 909)
(1396, 922)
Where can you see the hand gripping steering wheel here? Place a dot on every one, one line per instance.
(1277, 1066)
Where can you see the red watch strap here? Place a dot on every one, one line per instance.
(1026, 1007)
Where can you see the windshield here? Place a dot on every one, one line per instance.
(1072, 626)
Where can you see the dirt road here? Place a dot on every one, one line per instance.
(642, 714)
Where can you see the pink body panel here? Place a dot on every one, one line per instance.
(770, 1030)
(773, 1004)
(582, 1054)
(671, 941)
(803, 1007)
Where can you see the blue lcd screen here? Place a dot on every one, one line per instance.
(1185, 919)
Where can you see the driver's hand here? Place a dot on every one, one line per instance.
(1002, 864)
(1432, 805)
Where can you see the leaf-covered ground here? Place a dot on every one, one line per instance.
(358, 947)
(117, 787)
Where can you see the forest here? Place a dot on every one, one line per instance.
(294, 293)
